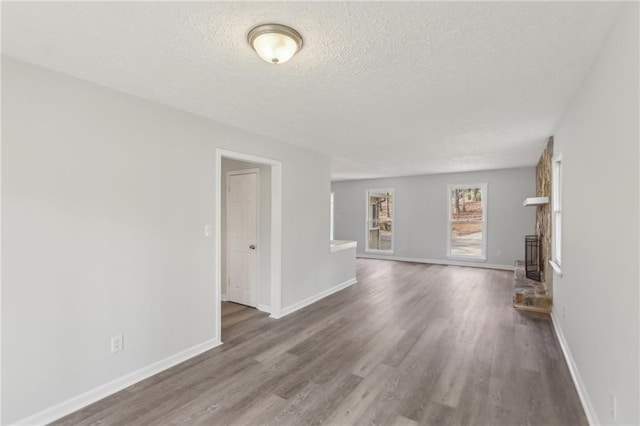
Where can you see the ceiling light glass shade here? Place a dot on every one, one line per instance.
(275, 43)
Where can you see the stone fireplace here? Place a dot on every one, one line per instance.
(532, 280)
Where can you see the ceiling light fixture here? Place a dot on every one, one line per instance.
(275, 43)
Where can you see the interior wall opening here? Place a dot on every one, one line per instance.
(248, 240)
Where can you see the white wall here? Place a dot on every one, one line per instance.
(264, 227)
(598, 139)
(421, 209)
(104, 200)
(343, 266)
(311, 185)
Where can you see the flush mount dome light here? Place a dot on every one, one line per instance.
(275, 43)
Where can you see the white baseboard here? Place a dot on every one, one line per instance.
(437, 262)
(264, 308)
(74, 404)
(592, 418)
(313, 299)
(223, 297)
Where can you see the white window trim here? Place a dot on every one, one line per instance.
(556, 207)
(332, 197)
(485, 202)
(366, 220)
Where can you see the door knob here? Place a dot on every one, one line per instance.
(252, 246)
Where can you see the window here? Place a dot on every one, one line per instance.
(467, 233)
(331, 216)
(379, 232)
(556, 220)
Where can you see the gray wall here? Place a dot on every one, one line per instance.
(104, 201)
(421, 208)
(599, 287)
(264, 227)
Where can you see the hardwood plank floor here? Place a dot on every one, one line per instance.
(409, 344)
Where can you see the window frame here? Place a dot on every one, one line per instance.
(557, 173)
(332, 196)
(366, 221)
(483, 187)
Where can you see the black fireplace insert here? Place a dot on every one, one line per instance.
(532, 257)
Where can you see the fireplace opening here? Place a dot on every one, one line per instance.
(532, 254)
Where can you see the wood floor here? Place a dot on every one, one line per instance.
(408, 344)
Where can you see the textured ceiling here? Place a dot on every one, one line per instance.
(385, 88)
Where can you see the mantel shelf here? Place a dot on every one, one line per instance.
(535, 201)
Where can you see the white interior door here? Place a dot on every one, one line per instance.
(242, 237)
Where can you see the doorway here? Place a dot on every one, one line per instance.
(248, 233)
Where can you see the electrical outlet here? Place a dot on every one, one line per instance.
(117, 343)
(564, 311)
(499, 253)
(207, 230)
(613, 406)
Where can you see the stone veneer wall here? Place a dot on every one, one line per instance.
(543, 214)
